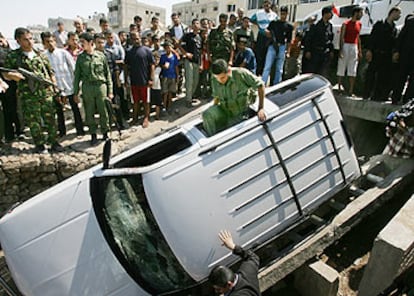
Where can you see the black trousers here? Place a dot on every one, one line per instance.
(12, 126)
(60, 117)
(379, 77)
(319, 63)
(405, 75)
(260, 52)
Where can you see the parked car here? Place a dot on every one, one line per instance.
(148, 223)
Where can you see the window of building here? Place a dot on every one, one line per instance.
(146, 12)
(203, 10)
(255, 4)
(231, 8)
(157, 14)
(215, 8)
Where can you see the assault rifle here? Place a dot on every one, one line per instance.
(31, 78)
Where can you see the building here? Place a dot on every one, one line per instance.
(205, 8)
(92, 21)
(298, 9)
(122, 12)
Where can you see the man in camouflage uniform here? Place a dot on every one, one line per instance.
(37, 99)
(220, 42)
(93, 70)
(234, 89)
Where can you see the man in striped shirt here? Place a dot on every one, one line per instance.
(262, 19)
(64, 66)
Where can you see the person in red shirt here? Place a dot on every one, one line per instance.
(350, 49)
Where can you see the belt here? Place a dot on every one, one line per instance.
(94, 82)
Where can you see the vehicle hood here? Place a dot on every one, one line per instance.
(54, 246)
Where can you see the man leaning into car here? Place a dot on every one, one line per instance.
(243, 282)
(234, 89)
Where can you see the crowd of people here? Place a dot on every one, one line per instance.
(120, 74)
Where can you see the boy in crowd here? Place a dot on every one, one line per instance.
(169, 74)
(245, 57)
(156, 96)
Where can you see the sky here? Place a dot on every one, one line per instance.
(21, 13)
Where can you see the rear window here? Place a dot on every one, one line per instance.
(156, 152)
(295, 91)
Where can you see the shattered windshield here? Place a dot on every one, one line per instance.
(132, 232)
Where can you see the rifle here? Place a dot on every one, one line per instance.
(31, 78)
(112, 115)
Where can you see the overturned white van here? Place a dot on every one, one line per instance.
(148, 224)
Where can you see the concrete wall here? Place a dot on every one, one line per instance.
(392, 253)
(317, 278)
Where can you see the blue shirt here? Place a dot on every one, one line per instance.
(139, 60)
(170, 72)
(247, 56)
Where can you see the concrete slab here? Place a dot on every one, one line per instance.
(392, 253)
(317, 278)
(348, 218)
(365, 109)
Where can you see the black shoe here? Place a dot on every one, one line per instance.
(56, 147)
(80, 133)
(40, 149)
(94, 140)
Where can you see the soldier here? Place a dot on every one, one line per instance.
(403, 54)
(12, 125)
(244, 31)
(379, 55)
(93, 70)
(37, 100)
(220, 42)
(318, 45)
(234, 89)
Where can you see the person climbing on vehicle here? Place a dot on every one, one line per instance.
(233, 90)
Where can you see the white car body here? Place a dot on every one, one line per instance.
(149, 224)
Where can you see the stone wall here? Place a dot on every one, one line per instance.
(25, 175)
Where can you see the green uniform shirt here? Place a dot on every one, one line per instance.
(246, 33)
(238, 92)
(92, 69)
(39, 65)
(221, 43)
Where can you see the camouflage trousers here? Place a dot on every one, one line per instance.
(39, 116)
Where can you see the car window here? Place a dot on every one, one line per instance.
(294, 91)
(132, 232)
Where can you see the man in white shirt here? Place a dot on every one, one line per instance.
(154, 30)
(178, 29)
(262, 19)
(61, 36)
(64, 66)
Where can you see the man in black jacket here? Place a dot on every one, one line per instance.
(318, 45)
(244, 281)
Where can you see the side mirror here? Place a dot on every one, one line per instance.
(106, 154)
